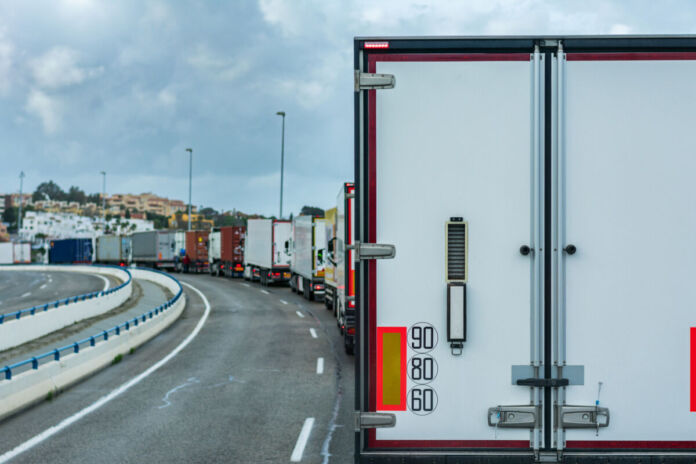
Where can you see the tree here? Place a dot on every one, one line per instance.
(48, 189)
(208, 213)
(10, 217)
(76, 194)
(128, 215)
(312, 211)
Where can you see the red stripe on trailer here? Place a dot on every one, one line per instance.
(693, 370)
(372, 441)
(631, 56)
(628, 444)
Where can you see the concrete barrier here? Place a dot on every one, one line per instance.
(34, 385)
(58, 314)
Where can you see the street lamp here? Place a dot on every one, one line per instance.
(282, 161)
(103, 173)
(21, 184)
(190, 150)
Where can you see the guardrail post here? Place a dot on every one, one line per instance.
(34, 363)
(91, 341)
(57, 304)
(106, 335)
(8, 373)
(32, 310)
(2, 318)
(76, 347)
(56, 355)
(118, 330)
(19, 314)
(127, 325)
(46, 307)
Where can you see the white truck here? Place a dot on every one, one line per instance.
(15, 253)
(309, 255)
(342, 255)
(266, 252)
(525, 240)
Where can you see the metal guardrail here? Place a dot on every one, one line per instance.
(66, 301)
(75, 347)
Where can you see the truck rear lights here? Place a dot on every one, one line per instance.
(457, 245)
(222, 266)
(318, 287)
(350, 331)
(376, 45)
(276, 274)
(351, 304)
(456, 316)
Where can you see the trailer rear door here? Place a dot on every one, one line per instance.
(454, 146)
(627, 170)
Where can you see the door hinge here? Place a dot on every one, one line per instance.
(372, 251)
(369, 81)
(350, 196)
(350, 298)
(582, 417)
(514, 417)
(373, 420)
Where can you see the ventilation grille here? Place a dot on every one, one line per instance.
(456, 251)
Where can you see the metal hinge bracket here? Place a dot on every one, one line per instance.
(373, 420)
(514, 417)
(369, 81)
(372, 251)
(582, 417)
(350, 195)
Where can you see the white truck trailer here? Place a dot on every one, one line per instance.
(345, 265)
(309, 255)
(15, 253)
(266, 251)
(526, 224)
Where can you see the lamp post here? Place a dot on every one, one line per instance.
(103, 173)
(190, 150)
(21, 184)
(282, 161)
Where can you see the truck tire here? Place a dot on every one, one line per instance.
(348, 344)
(307, 292)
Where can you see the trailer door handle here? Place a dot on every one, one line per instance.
(570, 249)
(525, 250)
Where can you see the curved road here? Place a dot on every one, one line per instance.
(24, 289)
(239, 392)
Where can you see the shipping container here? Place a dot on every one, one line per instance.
(525, 246)
(113, 249)
(227, 251)
(266, 250)
(197, 250)
(155, 248)
(70, 251)
(15, 253)
(308, 256)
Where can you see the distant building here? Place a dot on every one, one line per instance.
(38, 225)
(2, 204)
(4, 235)
(145, 203)
(12, 199)
(180, 221)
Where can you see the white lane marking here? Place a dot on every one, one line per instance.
(43, 286)
(246, 285)
(283, 301)
(313, 332)
(302, 440)
(320, 365)
(265, 292)
(189, 382)
(26, 295)
(49, 432)
(106, 282)
(299, 314)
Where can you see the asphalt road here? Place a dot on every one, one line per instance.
(24, 289)
(239, 392)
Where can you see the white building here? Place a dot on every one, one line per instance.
(68, 225)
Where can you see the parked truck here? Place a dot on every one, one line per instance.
(525, 240)
(15, 253)
(71, 251)
(266, 250)
(155, 248)
(309, 255)
(196, 250)
(226, 253)
(342, 255)
(330, 290)
(113, 249)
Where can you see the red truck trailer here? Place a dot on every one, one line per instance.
(197, 250)
(227, 251)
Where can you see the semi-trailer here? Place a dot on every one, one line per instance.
(266, 250)
(525, 227)
(71, 251)
(113, 249)
(15, 253)
(196, 250)
(226, 253)
(309, 253)
(330, 290)
(155, 248)
(342, 251)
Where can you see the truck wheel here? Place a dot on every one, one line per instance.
(307, 292)
(348, 344)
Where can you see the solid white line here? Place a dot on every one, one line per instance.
(49, 432)
(283, 301)
(106, 282)
(42, 287)
(26, 295)
(320, 365)
(265, 292)
(313, 332)
(299, 314)
(302, 440)
(246, 285)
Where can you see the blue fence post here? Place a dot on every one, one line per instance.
(33, 310)
(46, 307)
(76, 347)
(56, 355)
(2, 318)
(8, 373)
(106, 335)
(118, 330)
(34, 363)
(19, 314)
(91, 341)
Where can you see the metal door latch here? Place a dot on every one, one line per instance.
(514, 417)
(541, 383)
(582, 417)
(372, 251)
(373, 420)
(369, 81)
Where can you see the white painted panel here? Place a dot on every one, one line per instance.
(302, 246)
(453, 140)
(259, 240)
(6, 253)
(631, 212)
(456, 319)
(282, 232)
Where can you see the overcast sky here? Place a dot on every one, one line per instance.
(126, 86)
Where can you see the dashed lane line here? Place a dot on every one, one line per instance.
(298, 451)
(313, 332)
(299, 314)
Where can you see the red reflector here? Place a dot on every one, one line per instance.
(374, 45)
(276, 274)
(318, 287)
(351, 331)
(351, 304)
(222, 266)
